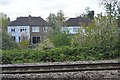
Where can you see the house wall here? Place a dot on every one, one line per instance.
(37, 34)
(17, 33)
(71, 29)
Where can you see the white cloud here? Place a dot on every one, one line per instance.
(71, 8)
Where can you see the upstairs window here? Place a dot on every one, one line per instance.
(65, 29)
(35, 29)
(12, 30)
(45, 29)
(75, 29)
(21, 30)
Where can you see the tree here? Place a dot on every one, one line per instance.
(118, 24)
(52, 20)
(24, 43)
(4, 20)
(7, 42)
(60, 38)
(89, 13)
(57, 37)
(45, 45)
(98, 33)
(60, 19)
(87, 9)
(56, 21)
(113, 10)
(110, 7)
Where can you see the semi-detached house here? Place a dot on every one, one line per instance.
(32, 28)
(35, 28)
(72, 25)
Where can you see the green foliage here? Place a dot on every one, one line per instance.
(7, 42)
(52, 20)
(60, 19)
(4, 20)
(46, 44)
(55, 35)
(59, 38)
(98, 33)
(56, 21)
(90, 14)
(110, 6)
(63, 53)
(24, 44)
(118, 17)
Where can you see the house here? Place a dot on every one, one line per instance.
(72, 25)
(31, 28)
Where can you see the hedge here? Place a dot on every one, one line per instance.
(59, 54)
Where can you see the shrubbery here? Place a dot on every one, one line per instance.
(59, 54)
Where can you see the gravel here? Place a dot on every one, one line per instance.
(89, 75)
(83, 75)
(69, 62)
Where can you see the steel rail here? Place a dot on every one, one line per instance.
(27, 69)
(59, 70)
(61, 65)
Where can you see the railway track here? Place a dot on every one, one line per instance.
(28, 69)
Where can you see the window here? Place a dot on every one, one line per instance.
(12, 30)
(65, 29)
(19, 38)
(75, 29)
(35, 29)
(13, 38)
(21, 30)
(45, 29)
(35, 40)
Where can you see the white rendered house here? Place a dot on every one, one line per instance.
(32, 28)
(73, 25)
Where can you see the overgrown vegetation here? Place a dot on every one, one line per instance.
(59, 38)
(7, 42)
(64, 53)
(97, 41)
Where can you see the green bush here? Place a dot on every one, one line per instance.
(59, 38)
(64, 53)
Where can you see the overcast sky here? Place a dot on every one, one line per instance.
(71, 8)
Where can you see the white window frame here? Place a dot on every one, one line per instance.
(35, 29)
(75, 29)
(65, 29)
(23, 29)
(45, 29)
(12, 30)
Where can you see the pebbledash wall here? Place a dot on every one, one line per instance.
(17, 31)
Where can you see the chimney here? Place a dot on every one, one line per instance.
(17, 18)
(29, 15)
(29, 19)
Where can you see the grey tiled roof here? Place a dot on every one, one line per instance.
(77, 21)
(29, 21)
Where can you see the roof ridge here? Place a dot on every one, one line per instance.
(28, 21)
